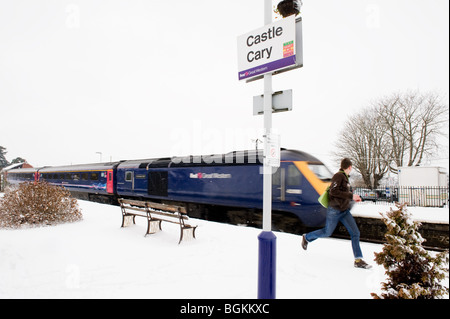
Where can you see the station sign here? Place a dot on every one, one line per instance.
(274, 48)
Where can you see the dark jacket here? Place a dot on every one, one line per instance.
(340, 194)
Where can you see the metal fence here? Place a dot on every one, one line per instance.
(427, 196)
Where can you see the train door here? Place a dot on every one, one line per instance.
(287, 185)
(158, 183)
(109, 181)
(129, 180)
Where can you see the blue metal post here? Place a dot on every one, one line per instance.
(267, 265)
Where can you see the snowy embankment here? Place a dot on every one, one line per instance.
(422, 214)
(96, 258)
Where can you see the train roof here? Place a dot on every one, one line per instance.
(231, 158)
(247, 157)
(295, 155)
(80, 167)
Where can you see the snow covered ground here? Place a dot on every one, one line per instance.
(422, 214)
(96, 258)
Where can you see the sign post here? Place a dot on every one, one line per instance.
(267, 239)
(272, 49)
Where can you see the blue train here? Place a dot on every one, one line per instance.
(222, 187)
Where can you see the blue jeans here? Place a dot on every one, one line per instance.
(334, 216)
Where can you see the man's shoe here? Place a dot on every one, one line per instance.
(359, 263)
(304, 242)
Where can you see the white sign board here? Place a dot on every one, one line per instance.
(267, 49)
(281, 102)
(272, 152)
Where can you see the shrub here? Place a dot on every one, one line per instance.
(36, 204)
(413, 272)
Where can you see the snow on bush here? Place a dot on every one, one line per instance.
(413, 272)
(36, 204)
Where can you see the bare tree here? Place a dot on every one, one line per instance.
(413, 122)
(364, 141)
(398, 130)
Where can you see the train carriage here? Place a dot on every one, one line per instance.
(85, 181)
(20, 175)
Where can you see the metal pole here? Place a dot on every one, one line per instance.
(267, 240)
(267, 191)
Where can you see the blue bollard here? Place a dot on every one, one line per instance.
(267, 265)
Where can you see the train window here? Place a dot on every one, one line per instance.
(293, 176)
(76, 176)
(94, 176)
(84, 176)
(129, 176)
(67, 176)
(321, 171)
(276, 177)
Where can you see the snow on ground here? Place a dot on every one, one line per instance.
(423, 214)
(96, 258)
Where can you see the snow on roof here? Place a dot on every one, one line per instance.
(7, 168)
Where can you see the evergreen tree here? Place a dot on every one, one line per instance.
(413, 273)
(3, 161)
(18, 160)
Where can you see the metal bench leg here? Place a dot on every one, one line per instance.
(151, 228)
(126, 220)
(181, 234)
(187, 228)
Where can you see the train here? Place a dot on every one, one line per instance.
(221, 187)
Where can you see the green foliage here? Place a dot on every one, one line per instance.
(35, 204)
(413, 272)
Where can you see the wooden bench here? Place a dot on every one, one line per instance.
(156, 213)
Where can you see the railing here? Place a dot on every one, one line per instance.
(427, 196)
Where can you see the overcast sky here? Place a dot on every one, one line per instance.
(141, 79)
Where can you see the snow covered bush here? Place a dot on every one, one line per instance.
(37, 204)
(413, 273)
